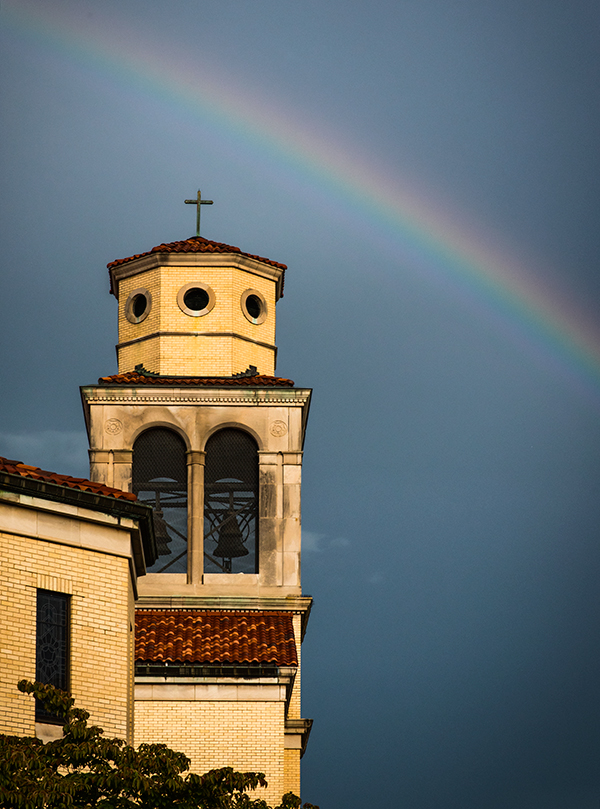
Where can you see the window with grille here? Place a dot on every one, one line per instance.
(160, 480)
(231, 503)
(52, 646)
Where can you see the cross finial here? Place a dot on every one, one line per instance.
(198, 202)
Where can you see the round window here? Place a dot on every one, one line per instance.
(138, 305)
(254, 306)
(195, 299)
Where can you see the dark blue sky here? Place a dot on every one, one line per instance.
(452, 469)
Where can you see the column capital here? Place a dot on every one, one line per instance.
(268, 457)
(292, 458)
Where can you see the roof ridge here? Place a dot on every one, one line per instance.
(195, 244)
(260, 380)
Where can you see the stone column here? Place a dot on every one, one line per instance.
(269, 518)
(290, 523)
(122, 466)
(195, 464)
(111, 467)
(101, 466)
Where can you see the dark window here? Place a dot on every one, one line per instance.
(231, 503)
(196, 299)
(52, 646)
(254, 306)
(138, 305)
(160, 479)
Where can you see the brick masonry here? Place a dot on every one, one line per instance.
(243, 735)
(182, 345)
(102, 604)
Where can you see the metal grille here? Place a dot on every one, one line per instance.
(160, 480)
(52, 646)
(231, 503)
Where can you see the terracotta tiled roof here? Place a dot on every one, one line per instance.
(197, 244)
(219, 636)
(35, 473)
(134, 378)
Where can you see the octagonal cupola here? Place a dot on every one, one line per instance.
(197, 308)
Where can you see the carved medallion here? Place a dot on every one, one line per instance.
(278, 428)
(113, 426)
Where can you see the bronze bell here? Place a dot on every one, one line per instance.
(231, 543)
(161, 533)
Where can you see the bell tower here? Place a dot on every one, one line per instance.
(196, 424)
(197, 308)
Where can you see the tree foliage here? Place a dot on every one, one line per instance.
(85, 769)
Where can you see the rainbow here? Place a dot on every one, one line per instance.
(395, 212)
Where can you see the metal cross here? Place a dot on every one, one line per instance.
(198, 202)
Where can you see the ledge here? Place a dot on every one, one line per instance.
(297, 732)
(147, 395)
(298, 604)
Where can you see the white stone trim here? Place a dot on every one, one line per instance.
(129, 314)
(264, 313)
(267, 397)
(65, 524)
(196, 285)
(217, 689)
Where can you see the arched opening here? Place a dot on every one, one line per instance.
(160, 480)
(231, 503)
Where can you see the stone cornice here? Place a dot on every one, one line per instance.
(199, 259)
(299, 728)
(241, 397)
(214, 689)
(297, 604)
(85, 506)
(199, 602)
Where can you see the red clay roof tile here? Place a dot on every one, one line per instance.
(214, 636)
(34, 472)
(135, 378)
(196, 244)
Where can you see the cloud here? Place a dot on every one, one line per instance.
(339, 542)
(313, 541)
(63, 451)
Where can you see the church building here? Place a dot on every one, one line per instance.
(165, 592)
(199, 428)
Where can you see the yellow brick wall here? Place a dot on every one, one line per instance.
(189, 355)
(243, 735)
(291, 764)
(101, 675)
(149, 280)
(130, 664)
(147, 353)
(292, 757)
(294, 710)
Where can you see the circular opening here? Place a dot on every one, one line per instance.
(196, 299)
(254, 306)
(138, 305)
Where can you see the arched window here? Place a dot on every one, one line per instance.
(160, 479)
(231, 503)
